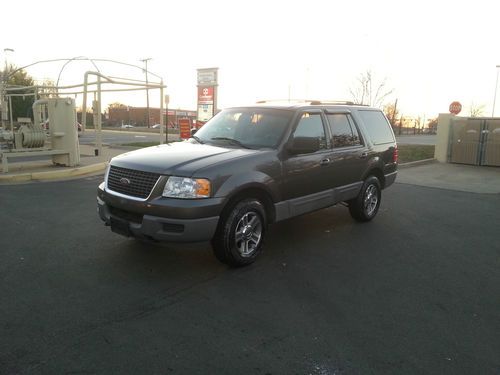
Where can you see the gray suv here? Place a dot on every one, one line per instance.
(249, 167)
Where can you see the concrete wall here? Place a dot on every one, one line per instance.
(443, 136)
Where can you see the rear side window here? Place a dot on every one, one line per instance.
(377, 127)
(344, 133)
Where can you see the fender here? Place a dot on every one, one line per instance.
(248, 180)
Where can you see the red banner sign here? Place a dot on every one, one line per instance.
(185, 128)
(205, 95)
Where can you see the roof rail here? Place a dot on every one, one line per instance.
(316, 102)
(279, 100)
(310, 101)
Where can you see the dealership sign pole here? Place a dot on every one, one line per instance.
(207, 95)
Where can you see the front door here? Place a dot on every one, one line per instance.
(306, 185)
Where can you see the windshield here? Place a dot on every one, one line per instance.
(247, 128)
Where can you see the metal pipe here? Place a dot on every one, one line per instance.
(161, 116)
(17, 95)
(11, 120)
(79, 59)
(98, 126)
(90, 91)
(2, 106)
(495, 96)
(85, 92)
(37, 103)
(148, 114)
(84, 104)
(125, 83)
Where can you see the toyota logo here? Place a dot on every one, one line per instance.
(125, 181)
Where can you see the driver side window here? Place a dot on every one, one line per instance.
(311, 126)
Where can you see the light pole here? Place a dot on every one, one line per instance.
(495, 96)
(145, 61)
(167, 100)
(3, 84)
(5, 50)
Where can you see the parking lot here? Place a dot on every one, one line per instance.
(415, 291)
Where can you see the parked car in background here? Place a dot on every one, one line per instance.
(157, 126)
(127, 126)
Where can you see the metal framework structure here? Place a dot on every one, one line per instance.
(88, 86)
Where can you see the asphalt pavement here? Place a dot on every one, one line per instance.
(416, 291)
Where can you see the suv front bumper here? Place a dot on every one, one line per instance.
(129, 218)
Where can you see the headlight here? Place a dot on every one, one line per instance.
(183, 187)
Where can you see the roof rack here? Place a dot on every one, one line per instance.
(316, 102)
(310, 101)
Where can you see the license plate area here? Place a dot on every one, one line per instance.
(120, 226)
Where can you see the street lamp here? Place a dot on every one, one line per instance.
(145, 61)
(495, 96)
(5, 50)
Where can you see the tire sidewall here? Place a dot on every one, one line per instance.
(372, 180)
(243, 207)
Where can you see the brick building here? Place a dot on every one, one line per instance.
(137, 116)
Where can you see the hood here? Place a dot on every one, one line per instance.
(178, 158)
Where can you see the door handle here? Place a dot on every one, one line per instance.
(363, 155)
(325, 161)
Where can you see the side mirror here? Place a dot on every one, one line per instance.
(303, 145)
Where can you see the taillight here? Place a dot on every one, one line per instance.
(395, 154)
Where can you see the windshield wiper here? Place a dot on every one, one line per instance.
(231, 140)
(197, 139)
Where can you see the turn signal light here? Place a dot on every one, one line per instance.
(202, 187)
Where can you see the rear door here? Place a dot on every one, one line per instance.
(349, 157)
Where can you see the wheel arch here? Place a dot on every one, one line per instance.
(377, 172)
(252, 191)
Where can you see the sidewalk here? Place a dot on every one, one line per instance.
(41, 170)
(459, 177)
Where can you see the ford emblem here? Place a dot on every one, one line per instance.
(125, 181)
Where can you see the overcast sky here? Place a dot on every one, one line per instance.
(430, 52)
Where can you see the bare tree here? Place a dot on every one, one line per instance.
(49, 89)
(392, 112)
(476, 110)
(368, 91)
(117, 105)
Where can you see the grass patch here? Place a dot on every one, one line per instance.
(408, 153)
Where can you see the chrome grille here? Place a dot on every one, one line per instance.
(141, 183)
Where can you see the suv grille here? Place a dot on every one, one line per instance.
(131, 182)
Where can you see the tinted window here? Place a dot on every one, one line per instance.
(377, 126)
(344, 133)
(311, 126)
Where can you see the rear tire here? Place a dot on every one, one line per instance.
(365, 206)
(240, 234)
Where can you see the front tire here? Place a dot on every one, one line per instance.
(239, 237)
(365, 206)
